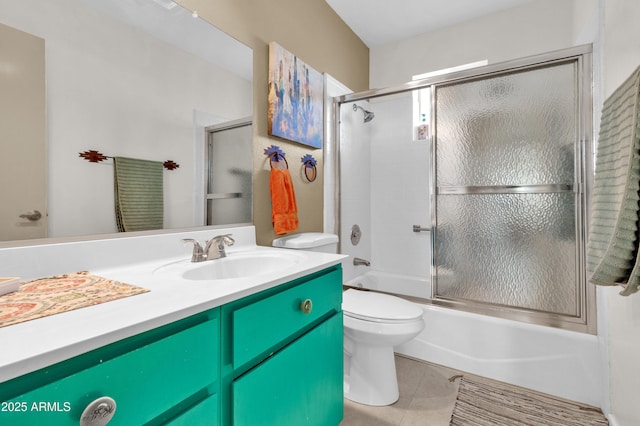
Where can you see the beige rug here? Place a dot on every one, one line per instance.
(485, 402)
(62, 293)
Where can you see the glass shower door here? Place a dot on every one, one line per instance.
(508, 193)
(229, 188)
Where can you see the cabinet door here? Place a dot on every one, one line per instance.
(204, 413)
(300, 385)
(145, 383)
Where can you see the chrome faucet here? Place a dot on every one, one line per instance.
(357, 261)
(213, 249)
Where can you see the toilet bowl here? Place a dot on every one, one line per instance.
(373, 324)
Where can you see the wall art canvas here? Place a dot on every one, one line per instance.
(295, 98)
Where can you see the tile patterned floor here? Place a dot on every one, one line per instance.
(427, 398)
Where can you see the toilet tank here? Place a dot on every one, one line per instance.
(311, 241)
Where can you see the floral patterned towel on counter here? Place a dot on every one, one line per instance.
(53, 295)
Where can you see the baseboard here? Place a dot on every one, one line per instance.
(612, 420)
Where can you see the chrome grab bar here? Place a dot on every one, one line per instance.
(418, 228)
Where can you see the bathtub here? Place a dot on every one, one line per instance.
(393, 283)
(550, 360)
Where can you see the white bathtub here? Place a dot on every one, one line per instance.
(550, 360)
(393, 283)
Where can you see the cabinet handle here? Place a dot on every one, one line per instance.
(99, 412)
(306, 306)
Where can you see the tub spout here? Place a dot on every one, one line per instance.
(357, 261)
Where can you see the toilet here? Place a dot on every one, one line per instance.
(311, 241)
(373, 324)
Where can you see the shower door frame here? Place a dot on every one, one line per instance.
(585, 320)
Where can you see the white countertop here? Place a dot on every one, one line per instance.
(35, 344)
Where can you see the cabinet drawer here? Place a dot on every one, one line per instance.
(265, 323)
(144, 382)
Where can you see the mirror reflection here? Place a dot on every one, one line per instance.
(142, 79)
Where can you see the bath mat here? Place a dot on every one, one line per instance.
(54, 295)
(483, 402)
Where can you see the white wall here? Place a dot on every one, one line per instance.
(156, 122)
(621, 50)
(537, 27)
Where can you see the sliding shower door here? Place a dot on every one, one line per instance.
(229, 166)
(509, 193)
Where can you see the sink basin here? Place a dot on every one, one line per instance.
(235, 265)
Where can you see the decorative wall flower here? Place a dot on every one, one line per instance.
(274, 152)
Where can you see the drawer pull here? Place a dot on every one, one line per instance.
(98, 412)
(306, 306)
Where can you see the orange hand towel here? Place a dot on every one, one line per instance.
(284, 211)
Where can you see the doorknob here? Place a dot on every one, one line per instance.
(32, 215)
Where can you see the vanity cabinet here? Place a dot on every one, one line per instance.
(271, 358)
(167, 373)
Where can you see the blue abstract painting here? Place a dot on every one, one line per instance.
(295, 98)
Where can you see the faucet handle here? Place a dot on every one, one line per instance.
(226, 238)
(198, 251)
(221, 240)
(215, 247)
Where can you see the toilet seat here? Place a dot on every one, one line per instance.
(378, 307)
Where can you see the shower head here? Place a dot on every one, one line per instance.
(368, 115)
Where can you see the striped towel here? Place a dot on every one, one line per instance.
(138, 194)
(613, 240)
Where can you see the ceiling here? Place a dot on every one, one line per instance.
(378, 22)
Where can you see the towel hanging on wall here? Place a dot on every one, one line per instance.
(284, 210)
(613, 240)
(139, 200)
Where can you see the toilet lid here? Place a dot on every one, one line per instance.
(371, 306)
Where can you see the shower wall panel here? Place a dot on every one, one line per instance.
(355, 187)
(400, 193)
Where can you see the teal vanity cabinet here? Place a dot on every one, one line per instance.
(168, 375)
(282, 354)
(272, 358)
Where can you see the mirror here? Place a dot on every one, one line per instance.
(131, 78)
